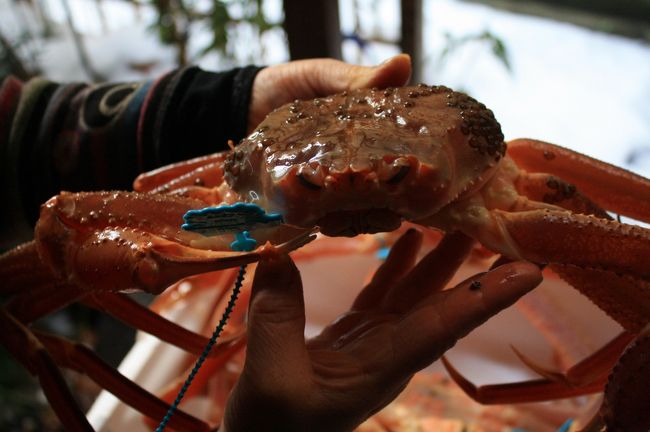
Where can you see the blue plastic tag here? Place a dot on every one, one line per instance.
(243, 242)
(382, 253)
(566, 426)
(229, 219)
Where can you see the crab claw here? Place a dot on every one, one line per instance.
(109, 241)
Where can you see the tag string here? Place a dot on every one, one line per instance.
(213, 339)
(235, 219)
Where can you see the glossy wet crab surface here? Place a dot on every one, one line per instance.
(398, 152)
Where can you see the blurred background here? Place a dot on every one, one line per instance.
(572, 72)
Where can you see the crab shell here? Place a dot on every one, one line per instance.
(361, 161)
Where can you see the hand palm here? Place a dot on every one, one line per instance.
(401, 322)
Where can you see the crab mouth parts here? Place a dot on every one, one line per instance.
(391, 171)
(349, 223)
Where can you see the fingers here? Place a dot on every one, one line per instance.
(394, 72)
(429, 331)
(431, 274)
(276, 314)
(322, 77)
(400, 260)
(306, 79)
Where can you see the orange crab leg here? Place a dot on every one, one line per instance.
(625, 298)
(221, 280)
(215, 364)
(610, 187)
(586, 377)
(81, 359)
(528, 391)
(183, 174)
(140, 317)
(603, 359)
(626, 401)
(21, 269)
(29, 351)
(549, 189)
(595, 367)
(51, 297)
(605, 260)
(582, 240)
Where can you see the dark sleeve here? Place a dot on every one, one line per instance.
(78, 137)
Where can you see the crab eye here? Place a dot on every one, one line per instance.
(401, 174)
(306, 183)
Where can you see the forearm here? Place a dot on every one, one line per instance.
(77, 137)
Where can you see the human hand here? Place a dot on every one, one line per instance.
(277, 85)
(401, 322)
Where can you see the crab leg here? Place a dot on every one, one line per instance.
(610, 187)
(626, 397)
(51, 296)
(600, 258)
(595, 367)
(554, 236)
(528, 391)
(215, 365)
(625, 407)
(206, 168)
(623, 297)
(81, 359)
(140, 317)
(546, 188)
(21, 268)
(29, 351)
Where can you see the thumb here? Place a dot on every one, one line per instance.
(276, 313)
(394, 72)
(334, 76)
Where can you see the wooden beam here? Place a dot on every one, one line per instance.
(630, 18)
(411, 42)
(313, 28)
(13, 62)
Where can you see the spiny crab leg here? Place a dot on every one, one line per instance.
(608, 186)
(625, 406)
(124, 255)
(605, 260)
(556, 236)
